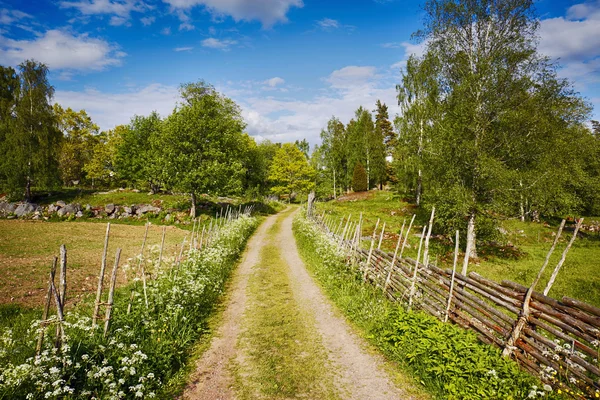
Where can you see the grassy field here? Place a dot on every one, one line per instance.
(28, 247)
(518, 256)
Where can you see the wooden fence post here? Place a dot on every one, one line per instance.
(343, 236)
(389, 275)
(426, 251)
(381, 237)
(141, 263)
(62, 293)
(40, 342)
(406, 236)
(162, 246)
(101, 278)
(367, 266)
(562, 258)
(414, 277)
(524, 315)
(452, 279)
(111, 293)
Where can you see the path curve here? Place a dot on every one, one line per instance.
(360, 373)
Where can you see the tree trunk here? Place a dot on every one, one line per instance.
(419, 187)
(193, 208)
(334, 194)
(471, 236)
(28, 190)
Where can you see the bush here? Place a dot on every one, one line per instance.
(359, 178)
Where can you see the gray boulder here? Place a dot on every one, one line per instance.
(79, 214)
(109, 209)
(61, 212)
(52, 208)
(146, 208)
(7, 208)
(61, 203)
(72, 209)
(25, 209)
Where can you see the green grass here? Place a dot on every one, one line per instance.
(517, 256)
(280, 351)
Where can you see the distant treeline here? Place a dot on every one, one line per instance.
(199, 148)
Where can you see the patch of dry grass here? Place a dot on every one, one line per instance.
(28, 247)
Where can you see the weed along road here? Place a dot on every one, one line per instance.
(280, 337)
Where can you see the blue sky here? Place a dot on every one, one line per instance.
(290, 64)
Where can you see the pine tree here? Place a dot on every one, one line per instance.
(359, 178)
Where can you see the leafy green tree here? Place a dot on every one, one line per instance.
(101, 168)
(202, 144)
(596, 128)
(30, 139)
(140, 152)
(498, 100)
(304, 146)
(418, 97)
(323, 183)
(290, 172)
(365, 146)
(359, 178)
(79, 141)
(334, 153)
(257, 162)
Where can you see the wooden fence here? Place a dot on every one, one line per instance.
(556, 340)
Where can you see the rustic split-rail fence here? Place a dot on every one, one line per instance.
(198, 239)
(556, 340)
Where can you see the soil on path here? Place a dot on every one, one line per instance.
(358, 373)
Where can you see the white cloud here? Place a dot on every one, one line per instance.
(186, 26)
(93, 7)
(575, 41)
(409, 48)
(351, 76)
(268, 12)
(147, 21)
(61, 50)
(116, 20)
(166, 31)
(274, 81)
(569, 38)
(7, 16)
(183, 49)
(328, 23)
(221, 44)
(111, 109)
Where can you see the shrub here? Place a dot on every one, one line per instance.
(359, 178)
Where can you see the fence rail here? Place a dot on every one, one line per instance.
(556, 340)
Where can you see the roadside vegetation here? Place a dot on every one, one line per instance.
(450, 362)
(145, 350)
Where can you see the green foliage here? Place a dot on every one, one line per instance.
(30, 141)
(304, 147)
(359, 178)
(384, 127)
(290, 171)
(449, 361)
(80, 137)
(139, 152)
(257, 163)
(201, 147)
(334, 155)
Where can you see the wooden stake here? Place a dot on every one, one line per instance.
(452, 279)
(62, 293)
(111, 293)
(414, 277)
(562, 258)
(40, 342)
(426, 251)
(162, 246)
(371, 251)
(202, 237)
(101, 278)
(193, 232)
(524, 316)
(389, 275)
(381, 237)
(60, 333)
(141, 263)
(406, 236)
(343, 237)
